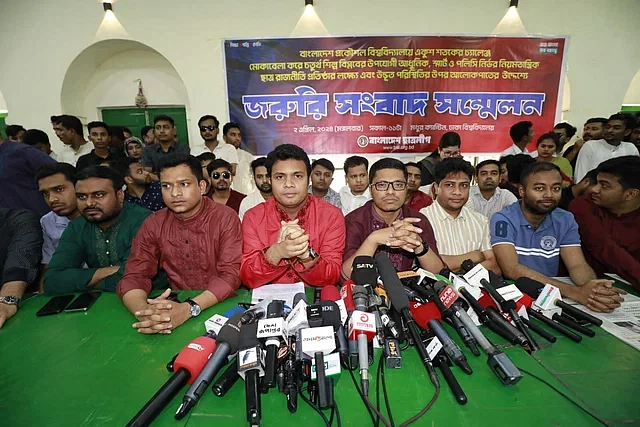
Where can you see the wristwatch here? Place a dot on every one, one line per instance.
(11, 300)
(312, 255)
(195, 308)
(424, 250)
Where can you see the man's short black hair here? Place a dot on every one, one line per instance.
(452, 165)
(414, 164)
(287, 152)
(126, 129)
(231, 125)
(626, 118)
(260, 161)
(519, 131)
(122, 165)
(206, 156)
(218, 163)
(516, 166)
(69, 171)
(592, 176)
(387, 163)
(625, 168)
(450, 139)
(69, 122)
(176, 159)
(487, 163)
(325, 163)
(537, 167)
(355, 161)
(35, 136)
(163, 118)
(504, 159)
(94, 125)
(117, 132)
(209, 117)
(12, 131)
(145, 130)
(104, 173)
(602, 120)
(569, 130)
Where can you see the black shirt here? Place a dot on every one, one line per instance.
(566, 198)
(92, 159)
(153, 153)
(20, 246)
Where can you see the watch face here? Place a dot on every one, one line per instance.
(195, 310)
(10, 300)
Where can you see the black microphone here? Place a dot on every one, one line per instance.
(400, 303)
(227, 343)
(227, 380)
(250, 368)
(364, 275)
(275, 311)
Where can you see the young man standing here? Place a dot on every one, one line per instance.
(488, 198)
(15, 132)
(609, 217)
(99, 135)
(40, 140)
(209, 128)
(292, 237)
(141, 190)
(196, 241)
(263, 187)
(221, 179)
(593, 130)
(242, 181)
(461, 233)
(164, 131)
(531, 236)
(416, 199)
(385, 224)
(321, 179)
(521, 134)
(69, 130)
(356, 192)
(618, 129)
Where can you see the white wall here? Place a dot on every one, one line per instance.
(44, 37)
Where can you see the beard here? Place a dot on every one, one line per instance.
(105, 217)
(265, 188)
(532, 206)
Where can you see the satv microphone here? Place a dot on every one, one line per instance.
(362, 325)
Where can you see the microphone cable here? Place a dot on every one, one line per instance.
(315, 408)
(586, 411)
(424, 410)
(380, 378)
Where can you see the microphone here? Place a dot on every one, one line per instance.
(442, 362)
(525, 303)
(257, 311)
(317, 342)
(271, 329)
(250, 362)
(227, 380)
(498, 361)
(227, 343)
(400, 303)
(529, 286)
(428, 317)
(331, 293)
(186, 365)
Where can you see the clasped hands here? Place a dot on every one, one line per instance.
(401, 234)
(161, 315)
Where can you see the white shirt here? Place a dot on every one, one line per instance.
(222, 151)
(496, 203)
(251, 201)
(431, 191)
(53, 226)
(243, 181)
(514, 149)
(53, 155)
(597, 151)
(350, 202)
(457, 236)
(67, 155)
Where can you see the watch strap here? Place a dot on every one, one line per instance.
(424, 250)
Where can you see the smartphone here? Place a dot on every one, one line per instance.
(55, 305)
(83, 302)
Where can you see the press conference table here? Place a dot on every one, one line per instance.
(94, 369)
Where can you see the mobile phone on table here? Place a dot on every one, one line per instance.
(55, 305)
(83, 302)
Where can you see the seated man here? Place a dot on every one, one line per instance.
(20, 253)
(416, 199)
(263, 192)
(356, 192)
(609, 218)
(292, 237)
(196, 241)
(205, 159)
(385, 224)
(488, 197)
(531, 236)
(101, 238)
(321, 179)
(461, 232)
(221, 175)
(141, 189)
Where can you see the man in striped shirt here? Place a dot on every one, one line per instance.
(461, 233)
(530, 237)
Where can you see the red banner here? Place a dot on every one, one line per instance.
(399, 94)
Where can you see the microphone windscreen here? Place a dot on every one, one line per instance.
(424, 313)
(330, 293)
(485, 300)
(392, 283)
(233, 311)
(194, 356)
(526, 300)
(529, 286)
(346, 292)
(300, 296)
(230, 332)
(275, 309)
(248, 336)
(363, 271)
(467, 265)
(330, 314)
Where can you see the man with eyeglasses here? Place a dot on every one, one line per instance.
(165, 130)
(209, 128)
(221, 178)
(385, 224)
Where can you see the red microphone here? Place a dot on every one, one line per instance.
(346, 293)
(187, 366)
(330, 293)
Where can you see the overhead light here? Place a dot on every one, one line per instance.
(108, 6)
(308, 2)
(513, 3)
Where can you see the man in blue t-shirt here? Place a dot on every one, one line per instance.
(530, 237)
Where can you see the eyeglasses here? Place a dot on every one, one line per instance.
(384, 185)
(225, 175)
(207, 128)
